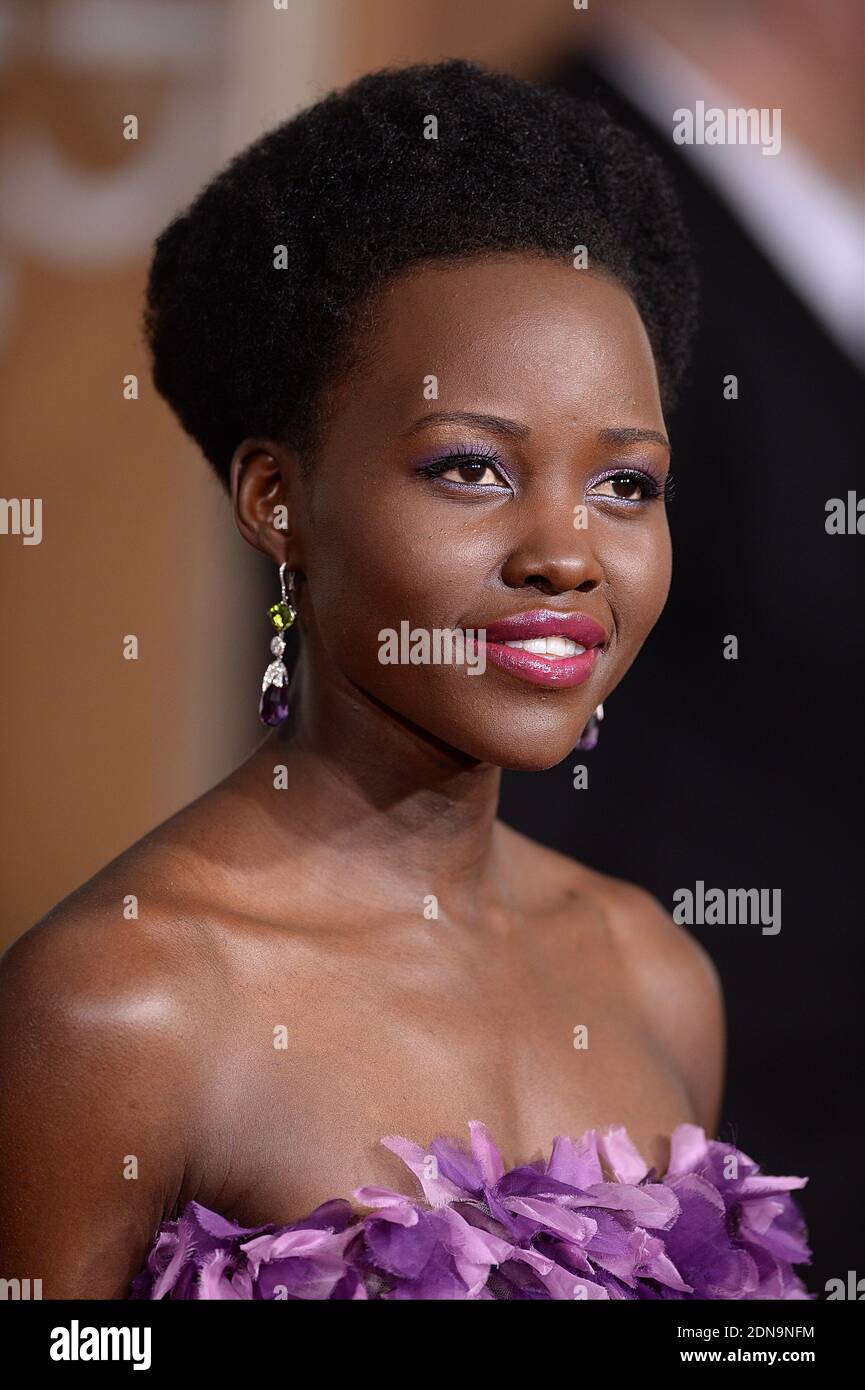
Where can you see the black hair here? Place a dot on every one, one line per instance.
(355, 191)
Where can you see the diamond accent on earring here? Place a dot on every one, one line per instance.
(277, 645)
(275, 674)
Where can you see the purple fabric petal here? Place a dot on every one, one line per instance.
(688, 1149)
(626, 1164)
(652, 1205)
(436, 1190)
(714, 1226)
(458, 1167)
(379, 1197)
(554, 1219)
(485, 1153)
(576, 1163)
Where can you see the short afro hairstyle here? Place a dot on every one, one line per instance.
(354, 191)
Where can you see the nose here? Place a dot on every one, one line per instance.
(554, 559)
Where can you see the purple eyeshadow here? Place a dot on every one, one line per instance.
(457, 451)
(648, 469)
(454, 454)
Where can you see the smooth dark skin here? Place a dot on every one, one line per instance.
(303, 907)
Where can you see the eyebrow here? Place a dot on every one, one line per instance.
(497, 424)
(633, 436)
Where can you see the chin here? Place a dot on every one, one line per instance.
(527, 749)
(519, 732)
(538, 757)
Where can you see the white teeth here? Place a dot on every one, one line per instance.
(549, 646)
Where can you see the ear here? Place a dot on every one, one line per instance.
(264, 479)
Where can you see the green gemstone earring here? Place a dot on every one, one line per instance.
(273, 706)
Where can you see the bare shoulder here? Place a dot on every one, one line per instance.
(100, 1000)
(646, 933)
(674, 982)
(670, 976)
(125, 932)
(136, 927)
(134, 977)
(94, 955)
(102, 1055)
(149, 948)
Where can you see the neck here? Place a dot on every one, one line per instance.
(388, 811)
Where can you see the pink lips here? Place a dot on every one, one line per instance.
(559, 672)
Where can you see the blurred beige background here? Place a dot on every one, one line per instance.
(136, 536)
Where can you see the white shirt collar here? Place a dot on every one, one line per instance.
(810, 228)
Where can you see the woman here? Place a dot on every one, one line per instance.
(424, 333)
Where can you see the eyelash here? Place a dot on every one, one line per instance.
(458, 456)
(652, 488)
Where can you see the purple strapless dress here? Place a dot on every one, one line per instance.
(712, 1227)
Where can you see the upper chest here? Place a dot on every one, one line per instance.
(416, 1033)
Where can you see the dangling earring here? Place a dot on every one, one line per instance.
(273, 706)
(589, 737)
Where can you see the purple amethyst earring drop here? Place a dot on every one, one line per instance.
(273, 706)
(589, 737)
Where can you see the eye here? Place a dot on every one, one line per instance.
(629, 485)
(472, 471)
(469, 468)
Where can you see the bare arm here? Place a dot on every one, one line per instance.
(92, 1123)
(679, 991)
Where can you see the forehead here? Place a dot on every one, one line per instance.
(521, 331)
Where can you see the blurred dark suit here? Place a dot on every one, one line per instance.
(748, 773)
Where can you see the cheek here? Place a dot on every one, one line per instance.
(382, 559)
(395, 555)
(638, 569)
